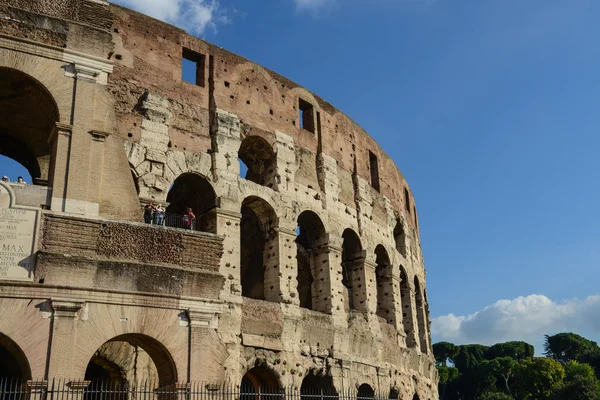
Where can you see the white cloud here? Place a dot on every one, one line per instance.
(313, 5)
(524, 318)
(195, 16)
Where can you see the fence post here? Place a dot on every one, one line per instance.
(37, 389)
(77, 389)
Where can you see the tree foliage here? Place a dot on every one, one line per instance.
(538, 378)
(510, 371)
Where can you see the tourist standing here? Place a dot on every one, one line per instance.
(159, 215)
(149, 213)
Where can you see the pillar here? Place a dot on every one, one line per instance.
(64, 326)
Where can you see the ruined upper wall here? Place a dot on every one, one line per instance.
(148, 57)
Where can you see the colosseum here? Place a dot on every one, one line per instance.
(298, 268)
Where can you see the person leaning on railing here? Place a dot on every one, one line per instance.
(149, 213)
(188, 218)
(159, 215)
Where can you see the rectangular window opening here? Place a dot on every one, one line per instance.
(192, 67)
(374, 170)
(307, 115)
(407, 200)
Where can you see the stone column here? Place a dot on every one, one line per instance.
(203, 323)
(286, 162)
(396, 311)
(225, 145)
(281, 267)
(334, 287)
(369, 288)
(37, 390)
(60, 141)
(227, 224)
(409, 320)
(64, 326)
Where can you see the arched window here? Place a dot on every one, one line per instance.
(394, 394)
(407, 316)
(365, 392)
(352, 262)
(129, 359)
(400, 237)
(259, 160)
(28, 116)
(317, 386)
(311, 256)
(259, 383)
(421, 316)
(258, 246)
(13, 362)
(194, 192)
(385, 285)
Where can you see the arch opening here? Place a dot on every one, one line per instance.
(13, 362)
(394, 394)
(130, 359)
(316, 386)
(385, 285)
(28, 116)
(194, 192)
(405, 300)
(259, 383)
(421, 316)
(257, 155)
(365, 392)
(312, 261)
(352, 265)
(400, 237)
(259, 257)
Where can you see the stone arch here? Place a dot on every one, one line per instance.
(259, 380)
(365, 392)
(385, 285)
(407, 316)
(112, 361)
(28, 117)
(258, 248)
(394, 394)
(317, 384)
(312, 260)
(421, 316)
(400, 237)
(258, 155)
(352, 265)
(194, 191)
(13, 361)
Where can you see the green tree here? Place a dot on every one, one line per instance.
(580, 383)
(538, 378)
(469, 356)
(496, 396)
(514, 350)
(444, 351)
(447, 375)
(565, 347)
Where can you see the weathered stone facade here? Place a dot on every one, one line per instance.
(309, 265)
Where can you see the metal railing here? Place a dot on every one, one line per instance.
(64, 389)
(171, 220)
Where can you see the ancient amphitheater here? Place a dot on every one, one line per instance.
(304, 274)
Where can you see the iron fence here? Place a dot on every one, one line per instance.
(59, 389)
(171, 220)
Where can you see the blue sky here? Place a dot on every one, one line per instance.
(489, 108)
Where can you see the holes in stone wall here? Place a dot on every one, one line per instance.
(226, 84)
(307, 115)
(374, 168)
(193, 67)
